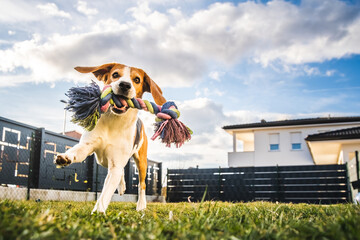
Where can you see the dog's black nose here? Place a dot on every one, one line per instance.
(124, 86)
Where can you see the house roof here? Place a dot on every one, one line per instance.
(294, 122)
(348, 133)
(73, 134)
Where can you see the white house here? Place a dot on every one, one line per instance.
(332, 140)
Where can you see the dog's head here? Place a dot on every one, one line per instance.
(125, 81)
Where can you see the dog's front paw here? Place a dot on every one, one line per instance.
(62, 160)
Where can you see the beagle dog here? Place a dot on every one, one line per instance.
(119, 134)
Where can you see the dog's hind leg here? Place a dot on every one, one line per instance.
(122, 185)
(111, 182)
(141, 163)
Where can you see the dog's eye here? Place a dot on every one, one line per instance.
(137, 80)
(115, 75)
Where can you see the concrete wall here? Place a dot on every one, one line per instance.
(61, 195)
(285, 155)
(241, 159)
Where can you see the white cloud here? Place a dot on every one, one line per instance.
(176, 14)
(209, 143)
(176, 48)
(128, 43)
(17, 11)
(82, 7)
(216, 75)
(330, 73)
(275, 31)
(11, 33)
(301, 70)
(51, 9)
(311, 71)
(12, 80)
(206, 92)
(152, 19)
(109, 25)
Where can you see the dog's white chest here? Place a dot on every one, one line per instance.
(113, 139)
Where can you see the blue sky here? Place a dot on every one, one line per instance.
(222, 62)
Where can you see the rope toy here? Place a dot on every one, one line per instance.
(89, 103)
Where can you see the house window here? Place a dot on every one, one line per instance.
(274, 142)
(274, 147)
(295, 138)
(296, 146)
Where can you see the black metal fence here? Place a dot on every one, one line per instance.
(26, 161)
(325, 184)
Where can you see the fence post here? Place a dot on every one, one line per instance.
(34, 161)
(159, 184)
(96, 179)
(90, 172)
(150, 179)
(130, 176)
(219, 196)
(253, 184)
(277, 186)
(39, 154)
(281, 189)
(126, 176)
(167, 185)
(357, 165)
(349, 191)
(31, 160)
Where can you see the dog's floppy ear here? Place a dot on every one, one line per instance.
(154, 89)
(100, 72)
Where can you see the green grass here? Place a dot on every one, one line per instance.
(207, 220)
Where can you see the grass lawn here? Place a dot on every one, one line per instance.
(207, 220)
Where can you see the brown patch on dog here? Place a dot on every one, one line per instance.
(141, 160)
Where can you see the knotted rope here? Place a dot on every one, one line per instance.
(88, 103)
